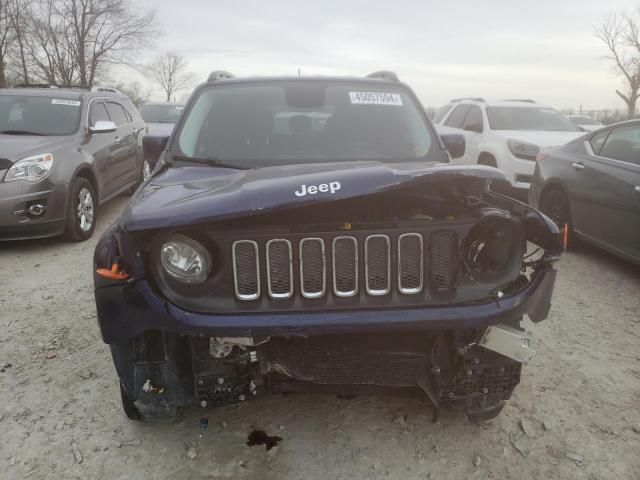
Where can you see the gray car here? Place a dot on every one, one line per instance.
(160, 117)
(63, 152)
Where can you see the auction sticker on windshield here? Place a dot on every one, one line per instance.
(375, 98)
(64, 101)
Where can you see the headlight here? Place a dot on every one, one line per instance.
(185, 259)
(492, 251)
(524, 150)
(31, 169)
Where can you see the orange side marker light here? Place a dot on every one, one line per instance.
(565, 236)
(113, 274)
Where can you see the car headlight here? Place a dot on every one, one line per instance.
(524, 150)
(31, 169)
(492, 250)
(185, 259)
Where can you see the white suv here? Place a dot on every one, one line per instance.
(506, 134)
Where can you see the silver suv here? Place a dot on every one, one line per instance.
(64, 151)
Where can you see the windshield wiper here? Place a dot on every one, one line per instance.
(20, 132)
(211, 161)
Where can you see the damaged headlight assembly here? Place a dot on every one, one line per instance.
(185, 259)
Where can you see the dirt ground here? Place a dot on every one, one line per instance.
(576, 413)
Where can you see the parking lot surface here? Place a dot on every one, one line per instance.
(576, 413)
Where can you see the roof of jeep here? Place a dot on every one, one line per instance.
(75, 93)
(305, 78)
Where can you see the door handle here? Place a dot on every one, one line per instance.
(578, 165)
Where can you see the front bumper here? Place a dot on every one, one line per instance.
(15, 198)
(125, 310)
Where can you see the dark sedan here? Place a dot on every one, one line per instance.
(593, 185)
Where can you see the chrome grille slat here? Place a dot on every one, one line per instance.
(313, 268)
(279, 268)
(377, 264)
(410, 263)
(246, 269)
(345, 266)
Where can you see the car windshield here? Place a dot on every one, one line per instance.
(529, 118)
(39, 115)
(304, 121)
(584, 121)
(161, 113)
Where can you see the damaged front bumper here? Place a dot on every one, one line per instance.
(125, 310)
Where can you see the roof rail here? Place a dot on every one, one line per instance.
(35, 85)
(473, 99)
(219, 75)
(384, 75)
(97, 88)
(527, 100)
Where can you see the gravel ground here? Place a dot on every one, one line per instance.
(576, 413)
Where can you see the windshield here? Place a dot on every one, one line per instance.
(304, 121)
(584, 121)
(161, 113)
(529, 118)
(39, 115)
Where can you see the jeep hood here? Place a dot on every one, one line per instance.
(181, 196)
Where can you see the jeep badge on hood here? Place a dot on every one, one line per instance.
(332, 187)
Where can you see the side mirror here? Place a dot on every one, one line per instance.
(454, 143)
(473, 127)
(103, 126)
(153, 145)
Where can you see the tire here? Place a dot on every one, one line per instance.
(128, 406)
(160, 412)
(82, 210)
(488, 160)
(483, 414)
(555, 205)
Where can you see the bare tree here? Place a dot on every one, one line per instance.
(20, 15)
(621, 34)
(135, 91)
(5, 41)
(104, 32)
(169, 71)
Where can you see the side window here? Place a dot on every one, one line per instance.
(623, 144)
(98, 113)
(456, 118)
(440, 114)
(598, 140)
(116, 112)
(473, 120)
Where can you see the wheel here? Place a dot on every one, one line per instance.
(82, 211)
(555, 205)
(477, 415)
(128, 406)
(154, 412)
(488, 160)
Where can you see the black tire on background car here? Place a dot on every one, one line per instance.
(486, 159)
(82, 210)
(555, 205)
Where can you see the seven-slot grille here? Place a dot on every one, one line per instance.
(308, 264)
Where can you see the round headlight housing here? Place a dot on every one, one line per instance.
(185, 259)
(493, 250)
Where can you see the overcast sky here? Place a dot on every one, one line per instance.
(542, 49)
